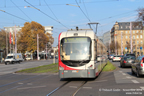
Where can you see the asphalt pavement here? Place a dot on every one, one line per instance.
(119, 82)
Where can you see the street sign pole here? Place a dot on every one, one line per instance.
(131, 36)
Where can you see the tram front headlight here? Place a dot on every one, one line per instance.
(90, 67)
(61, 68)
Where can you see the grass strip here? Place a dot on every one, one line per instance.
(109, 67)
(51, 68)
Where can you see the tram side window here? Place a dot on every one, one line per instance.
(95, 49)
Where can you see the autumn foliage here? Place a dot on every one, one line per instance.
(27, 37)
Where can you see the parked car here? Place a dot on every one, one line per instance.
(129, 55)
(110, 57)
(99, 58)
(126, 61)
(116, 58)
(137, 67)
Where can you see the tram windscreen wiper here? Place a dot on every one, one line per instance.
(82, 61)
(67, 60)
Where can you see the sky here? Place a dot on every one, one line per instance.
(67, 14)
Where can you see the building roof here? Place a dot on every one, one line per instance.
(126, 25)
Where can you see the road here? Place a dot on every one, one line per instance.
(116, 83)
(11, 68)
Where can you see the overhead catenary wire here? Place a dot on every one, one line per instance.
(21, 10)
(61, 4)
(47, 15)
(15, 16)
(85, 8)
(51, 10)
(116, 15)
(82, 11)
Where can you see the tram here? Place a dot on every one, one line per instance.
(77, 54)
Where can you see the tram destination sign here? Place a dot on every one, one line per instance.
(76, 39)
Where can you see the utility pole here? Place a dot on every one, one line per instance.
(115, 45)
(6, 43)
(15, 41)
(46, 50)
(37, 47)
(121, 44)
(109, 47)
(131, 36)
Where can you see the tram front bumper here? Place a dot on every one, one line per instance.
(77, 73)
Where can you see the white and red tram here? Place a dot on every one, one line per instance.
(77, 54)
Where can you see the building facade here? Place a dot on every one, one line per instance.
(48, 29)
(127, 37)
(106, 38)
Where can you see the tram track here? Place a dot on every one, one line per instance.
(60, 87)
(84, 82)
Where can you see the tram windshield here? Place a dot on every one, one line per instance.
(75, 49)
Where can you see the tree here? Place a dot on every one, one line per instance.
(140, 14)
(27, 37)
(2, 39)
(112, 46)
(128, 45)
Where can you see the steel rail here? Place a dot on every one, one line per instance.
(79, 88)
(58, 88)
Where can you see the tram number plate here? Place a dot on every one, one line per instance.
(65, 71)
(74, 71)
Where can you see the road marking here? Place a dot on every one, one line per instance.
(134, 81)
(123, 74)
(97, 81)
(87, 87)
(128, 77)
(20, 83)
(121, 71)
(30, 87)
(73, 86)
(142, 88)
(29, 83)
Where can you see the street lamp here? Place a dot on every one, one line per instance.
(2, 10)
(72, 5)
(31, 7)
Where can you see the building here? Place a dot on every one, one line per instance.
(126, 36)
(12, 29)
(106, 38)
(100, 38)
(48, 29)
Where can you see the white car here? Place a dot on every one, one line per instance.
(111, 57)
(99, 58)
(116, 58)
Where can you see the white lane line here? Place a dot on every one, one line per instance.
(121, 71)
(97, 81)
(30, 87)
(142, 88)
(128, 77)
(87, 87)
(134, 81)
(29, 83)
(123, 74)
(73, 86)
(20, 83)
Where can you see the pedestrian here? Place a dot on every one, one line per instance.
(138, 55)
